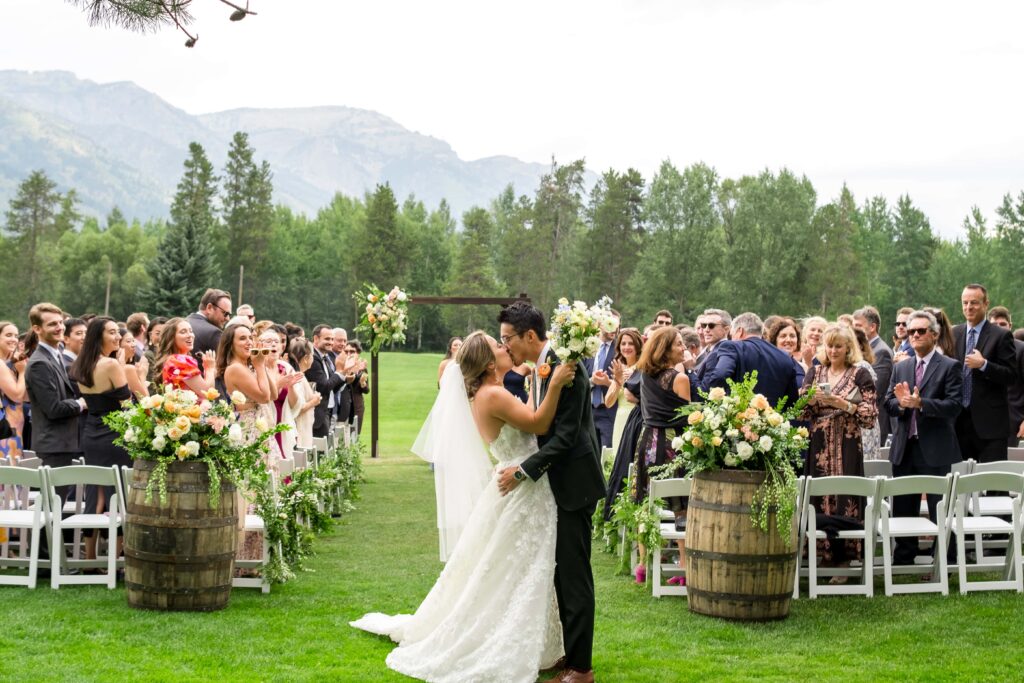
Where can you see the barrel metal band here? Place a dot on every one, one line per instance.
(168, 558)
(176, 591)
(738, 597)
(738, 557)
(718, 507)
(180, 523)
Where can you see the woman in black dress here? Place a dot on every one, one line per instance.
(515, 381)
(105, 380)
(626, 382)
(360, 384)
(663, 390)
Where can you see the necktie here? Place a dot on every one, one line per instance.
(918, 378)
(597, 397)
(972, 339)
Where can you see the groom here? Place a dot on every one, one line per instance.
(570, 455)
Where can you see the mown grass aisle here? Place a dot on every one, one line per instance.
(383, 557)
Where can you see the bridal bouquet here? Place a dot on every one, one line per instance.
(741, 430)
(576, 329)
(181, 425)
(384, 316)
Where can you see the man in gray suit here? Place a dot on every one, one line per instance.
(55, 410)
(869, 321)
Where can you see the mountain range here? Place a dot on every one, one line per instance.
(118, 144)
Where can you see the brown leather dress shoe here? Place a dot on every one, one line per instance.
(558, 666)
(572, 676)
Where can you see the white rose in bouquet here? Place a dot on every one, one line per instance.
(592, 345)
(562, 353)
(731, 460)
(238, 397)
(765, 442)
(677, 443)
(235, 436)
(576, 345)
(744, 450)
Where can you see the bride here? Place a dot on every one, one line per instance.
(491, 615)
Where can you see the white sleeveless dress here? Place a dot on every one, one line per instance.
(491, 615)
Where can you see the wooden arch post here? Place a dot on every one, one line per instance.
(426, 301)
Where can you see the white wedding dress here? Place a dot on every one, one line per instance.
(492, 615)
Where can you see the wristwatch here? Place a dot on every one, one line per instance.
(519, 474)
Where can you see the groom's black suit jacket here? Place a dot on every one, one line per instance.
(569, 452)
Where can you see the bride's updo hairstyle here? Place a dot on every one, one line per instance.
(473, 358)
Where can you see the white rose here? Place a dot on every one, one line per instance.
(160, 430)
(579, 305)
(235, 434)
(744, 450)
(765, 442)
(593, 344)
(402, 296)
(715, 421)
(687, 436)
(731, 460)
(677, 443)
(610, 324)
(576, 345)
(774, 419)
(732, 433)
(563, 301)
(192, 447)
(237, 397)
(562, 353)
(261, 423)
(129, 435)
(159, 443)
(716, 394)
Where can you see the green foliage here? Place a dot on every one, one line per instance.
(248, 217)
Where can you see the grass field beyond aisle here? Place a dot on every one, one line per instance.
(383, 557)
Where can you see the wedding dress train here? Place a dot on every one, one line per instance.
(492, 615)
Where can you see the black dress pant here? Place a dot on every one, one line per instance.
(574, 585)
(972, 445)
(910, 505)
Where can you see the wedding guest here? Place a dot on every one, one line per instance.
(300, 354)
(360, 383)
(769, 322)
(294, 332)
(12, 389)
(662, 318)
(814, 328)
(74, 337)
(214, 311)
(748, 352)
(714, 329)
(845, 319)
(326, 376)
(842, 406)
(279, 411)
(625, 383)
(870, 436)
(946, 345)
(454, 344)
(138, 325)
(175, 363)
(598, 368)
(341, 340)
(785, 335)
(663, 390)
(55, 410)
(868, 320)
(900, 341)
(925, 399)
(247, 311)
(989, 366)
(156, 328)
(1000, 316)
(105, 380)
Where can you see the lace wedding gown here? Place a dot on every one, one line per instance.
(491, 615)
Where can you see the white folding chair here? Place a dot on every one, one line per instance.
(877, 468)
(300, 458)
(1015, 453)
(842, 486)
(890, 528)
(255, 523)
(665, 488)
(964, 523)
(801, 526)
(30, 520)
(883, 453)
(55, 477)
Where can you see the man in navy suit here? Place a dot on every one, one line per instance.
(989, 368)
(748, 351)
(599, 368)
(924, 397)
(712, 328)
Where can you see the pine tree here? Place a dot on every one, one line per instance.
(31, 223)
(248, 215)
(383, 252)
(184, 265)
(472, 273)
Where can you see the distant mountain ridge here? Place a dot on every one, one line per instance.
(118, 144)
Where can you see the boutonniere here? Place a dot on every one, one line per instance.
(544, 370)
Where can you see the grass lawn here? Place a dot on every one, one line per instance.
(383, 557)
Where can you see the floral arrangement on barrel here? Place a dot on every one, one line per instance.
(384, 316)
(576, 329)
(179, 425)
(739, 429)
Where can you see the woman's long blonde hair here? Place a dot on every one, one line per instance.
(473, 358)
(844, 333)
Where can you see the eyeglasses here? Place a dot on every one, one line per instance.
(663, 323)
(506, 338)
(227, 314)
(900, 323)
(708, 326)
(915, 331)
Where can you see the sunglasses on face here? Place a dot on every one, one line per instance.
(915, 331)
(708, 326)
(899, 323)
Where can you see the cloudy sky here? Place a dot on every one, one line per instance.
(891, 97)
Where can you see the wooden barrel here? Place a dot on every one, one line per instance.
(734, 570)
(179, 556)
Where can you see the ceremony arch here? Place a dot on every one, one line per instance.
(426, 301)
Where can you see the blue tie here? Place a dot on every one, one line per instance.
(972, 339)
(597, 397)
